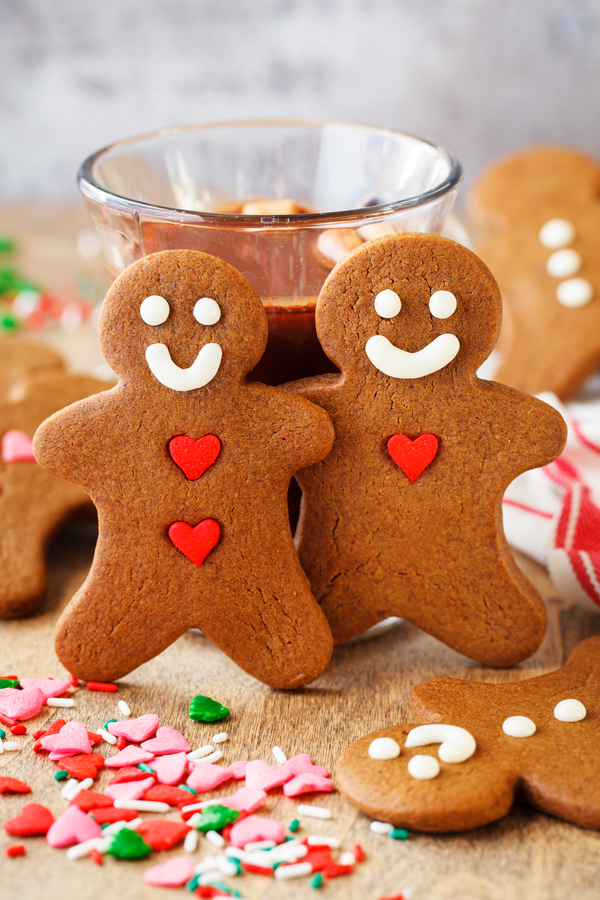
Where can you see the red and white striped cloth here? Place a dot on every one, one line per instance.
(553, 513)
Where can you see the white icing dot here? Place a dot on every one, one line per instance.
(557, 233)
(563, 263)
(569, 711)
(442, 304)
(518, 726)
(206, 311)
(387, 304)
(575, 292)
(154, 310)
(384, 748)
(423, 767)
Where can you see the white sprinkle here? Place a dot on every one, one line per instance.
(107, 736)
(194, 819)
(201, 751)
(279, 755)
(208, 864)
(124, 708)
(190, 843)
(316, 812)
(225, 866)
(219, 738)
(216, 839)
(83, 849)
(11, 745)
(319, 840)
(295, 870)
(1, 746)
(236, 853)
(381, 827)
(291, 851)
(118, 826)
(348, 858)
(142, 805)
(191, 807)
(60, 701)
(82, 786)
(68, 787)
(209, 759)
(259, 845)
(210, 877)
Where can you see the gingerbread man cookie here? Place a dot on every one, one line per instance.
(189, 468)
(535, 741)
(403, 516)
(541, 208)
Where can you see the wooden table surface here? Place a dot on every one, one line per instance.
(526, 856)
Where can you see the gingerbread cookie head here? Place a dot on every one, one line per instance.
(191, 321)
(382, 315)
(485, 745)
(541, 212)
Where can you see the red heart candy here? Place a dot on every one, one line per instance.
(412, 456)
(87, 800)
(194, 457)
(55, 727)
(13, 784)
(83, 765)
(164, 793)
(128, 773)
(162, 834)
(105, 815)
(195, 542)
(33, 819)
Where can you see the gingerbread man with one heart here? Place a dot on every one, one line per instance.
(189, 468)
(403, 517)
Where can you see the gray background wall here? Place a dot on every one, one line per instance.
(480, 76)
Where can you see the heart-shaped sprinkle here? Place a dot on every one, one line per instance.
(83, 766)
(55, 727)
(297, 765)
(306, 783)
(203, 709)
(71, 739)
(17, 447)
(48, 686)
(128, 773)
(136, 730)
(194, 457)
(14, 785)
(72, 827)
(206, 776)
(412, 457)
(23, 704)
(167, 740)
(244, 800)
(162, 834)
(195, 542)
(173, 873)
(129, 790)
(130, 756)
(261, 776)
(256, 828)
(163, 793)
(33, 819)
(170, 769)
(87, 800)
(106, 815)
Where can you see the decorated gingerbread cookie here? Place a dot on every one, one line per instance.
(535, 741)
(541, 209)
(189, 468)
(403, 516)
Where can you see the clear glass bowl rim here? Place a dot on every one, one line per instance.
(90, 188)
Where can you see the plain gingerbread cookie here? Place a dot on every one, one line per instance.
(547, 758)
(189, 468)
(541, 210)
(403, 517)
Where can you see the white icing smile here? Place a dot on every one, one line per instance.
(399, 363)
(457, 744)
(203, 369)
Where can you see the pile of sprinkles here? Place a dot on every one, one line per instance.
(154, 770)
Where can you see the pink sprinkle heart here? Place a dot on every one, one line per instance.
(70, 740)
(17, 447)
(170, 769)
(23, 704)
(256, 828)
(305, 783)
(296, 765)
(130, 756)
(261, 776)
(167, 740)
(173, 873)
(73, 827)
(244, 799)
(136, 730)
(206, 776)
(48, 686)
(129, 790)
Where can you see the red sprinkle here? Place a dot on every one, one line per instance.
(37, 747)
(74, 680)
(13, 784)
(101, 686)
(334, 871)
(56, 726)
(359, 853)
(395, 897)
(96, 857)
(8, 677)
(38, 734)
(16, 850)
(121, 743)
(6, 720)
(207, 891)
(258, 870)
(18, 729)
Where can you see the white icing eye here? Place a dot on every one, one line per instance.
(574, 292)
(570, 711)
(206, 311)
(518, 726)
(387, 304)
(442, 304)
(563, 263)
(557, 233)
(154, 310)
(384, 748)
(423, 767)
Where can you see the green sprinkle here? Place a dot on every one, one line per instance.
(128, 844)
(9, 683)
(317, 881)
(2, 734)
(186, 787)
(7, 244)
(237, 864)
(215, 817)
(61, 775)
(203, 709)
(294, 825)
(399, 834)
(107, 723)
(8, 322)
(145, 768)
(192, 884)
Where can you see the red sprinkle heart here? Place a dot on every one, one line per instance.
(13, 784)
(33, 819)
(412, 456)
(164, 793)
(83, 766)
(106, 815)
(87, 800)
(128, 773)
(195, 542)
(162, 834)
(194, 457)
